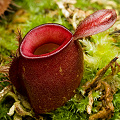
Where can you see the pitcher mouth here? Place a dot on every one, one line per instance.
(45, 34)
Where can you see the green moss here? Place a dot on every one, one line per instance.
(4, 109)
(36, 6)
(8, 44)
(100, 50)
(73, 110)
(87, 5)
(116, 102)
(3, 113)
